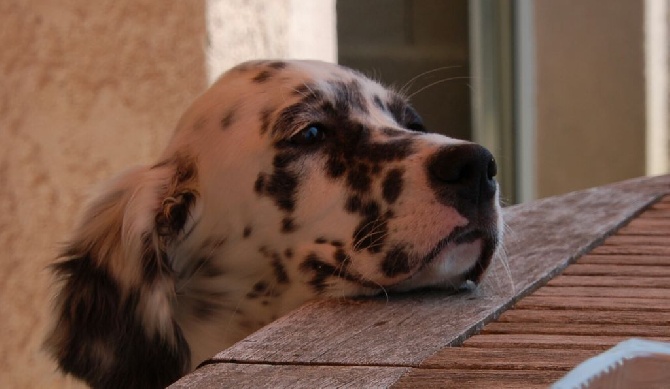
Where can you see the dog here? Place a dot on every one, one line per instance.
(285, 181)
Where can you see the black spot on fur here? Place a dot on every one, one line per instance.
(353, 204)
(279, 270)
(370, 234)
(96, 314)
(392, 185)
(288, 225)
(228, 119)
(282, 187)
(396, 262)
(340, 256)
(335, 167)
(265, 119)
(259, 184)
(288, 253)
(262, 76)
(336, 243)
(283, 159)
(348, 96)
(394, 150)
(259, 289)
(358, 178)
(320, 269)
(320, 240)
(261, 286)
(376, 169)
(247, 232)
(277, 65)
(371, 210)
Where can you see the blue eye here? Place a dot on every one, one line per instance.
(309, 135)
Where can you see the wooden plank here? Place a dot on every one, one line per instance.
(642, 240)
(584, 317)
(637, 260)
(603, 291)
(506, 358)
(594, 303)
(586, 269)
(475, 379)
(632, 250)
(660, 216)
(611, 281)
(592, 328)
(651, 223)
(231, 375)
(644, 229)
(408, 329)
(578, 342)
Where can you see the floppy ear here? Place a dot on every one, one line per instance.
(114, 322)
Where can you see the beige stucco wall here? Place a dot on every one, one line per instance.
(87, 89)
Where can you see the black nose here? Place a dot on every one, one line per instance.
(463, 173)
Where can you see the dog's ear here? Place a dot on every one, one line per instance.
(114, 322)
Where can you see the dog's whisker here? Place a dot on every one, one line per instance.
(432, 84)
(405, 88)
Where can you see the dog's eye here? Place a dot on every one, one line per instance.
(309, 135)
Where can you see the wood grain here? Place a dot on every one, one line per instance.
(502, 358)
(592, 328)
(603, 317)
(499, 379)
(563, 342)
(260, 376)
(612, 280)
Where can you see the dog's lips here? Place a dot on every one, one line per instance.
(462, 256)
(442, 248)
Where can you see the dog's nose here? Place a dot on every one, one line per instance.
(463, 172)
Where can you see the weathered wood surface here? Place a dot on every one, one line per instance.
(406, 331)
(559, 326)
(260, 376)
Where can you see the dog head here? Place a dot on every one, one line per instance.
(283, 182)
(319, 162)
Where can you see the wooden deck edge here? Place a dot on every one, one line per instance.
(545, 237)
(260, 376)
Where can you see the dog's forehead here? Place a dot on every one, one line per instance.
(270, 92)
(283, 78)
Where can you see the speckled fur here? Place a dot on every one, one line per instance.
(284, 182)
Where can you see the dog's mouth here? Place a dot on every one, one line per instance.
(462, 256)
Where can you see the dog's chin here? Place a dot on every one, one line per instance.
(453, 264)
